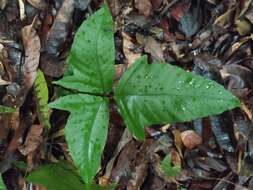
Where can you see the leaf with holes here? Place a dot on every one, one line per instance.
(162, 93)
(92, 55)
(86, 130)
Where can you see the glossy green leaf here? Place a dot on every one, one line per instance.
(168, 169)
(2, 185)
(5, 109)
(60, 176)
(92, 55)
(161, 93)
(56, 176)
(86, 130)
(41, 94)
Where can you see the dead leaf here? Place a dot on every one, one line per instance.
(178, 141)
(60, 28)
(249, 16)
(3, 4)
(115, 6)
(178, 10)
(31, 43)
(128, 49)
(156, 4)
(144, 7)
(151, 46)
(39, 4)
(82, 4)
(21, 9)
(224, 19)
(57, 36)
(32, 46)
(243, 27)
(33, 140)
(139, 174)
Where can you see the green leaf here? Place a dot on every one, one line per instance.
(168, 169)
(162, 93)
(56, 176)
(4, 109)
(41, 94)
(2, 185)
(86, 130)
(20, 165)
(92, 55)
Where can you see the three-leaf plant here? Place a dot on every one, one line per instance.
(146, 94)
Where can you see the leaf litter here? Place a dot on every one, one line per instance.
(210, 38)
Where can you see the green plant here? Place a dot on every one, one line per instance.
(5, 109)
(2, 185)
(168, 169)
(146, 94)
(41, 95)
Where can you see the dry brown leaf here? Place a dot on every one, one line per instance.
(33, 140)
(128, 47)
(178, 141)
(31, 43)
(151, 46)
(139, 176)
(39, 4)
(32, 46)
(115, 6)
(156, 4)
(144, 7)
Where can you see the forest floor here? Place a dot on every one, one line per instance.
(212, 37)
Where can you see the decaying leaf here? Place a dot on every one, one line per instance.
(224, 19)
(39, 4)
(33, 140)
(243, 27)
(51, 64)
(151, 46)
(31, 43)
(3, 4)
(191, 20)
(144, 7)
(128, 49)
(82, 4)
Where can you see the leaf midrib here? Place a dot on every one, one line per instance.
(168, 94)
